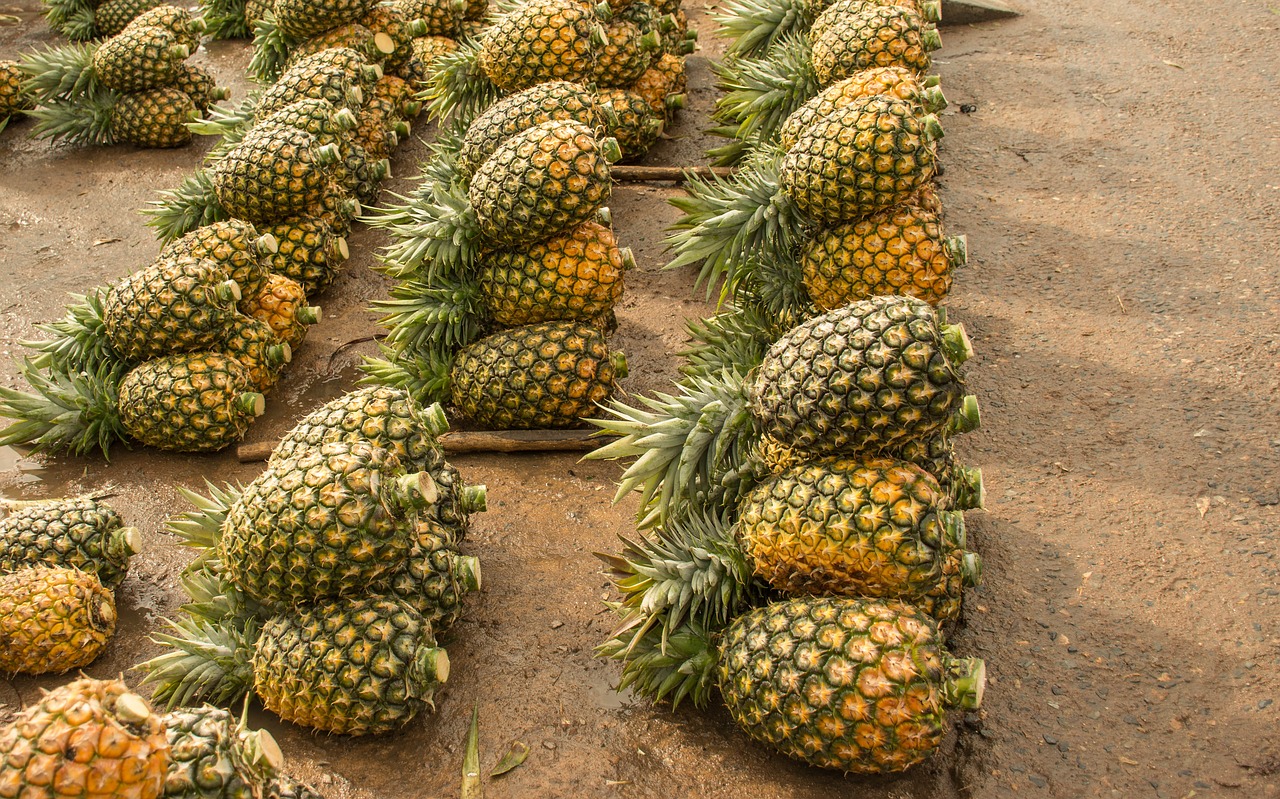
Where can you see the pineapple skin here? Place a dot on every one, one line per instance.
(622, 61)
(847, 527)
(281, 302)
(207, 758)
(897, 82)
(193, 402)
(302, 19)
(850, 37)
(545, 102)
(847, 684)
(308, 252)
(258, 349)
(419, 66)
(548, 375)
(138, 58)
(154, 118)
(113, 16)
(53, 619)
(172, 306)
(637, 126)
(662, 79)
(198, 84)
(867, 377)
(442, 17)
(321, 524)
(431, 581)
(271, 175)
(900, 250)
(73, 533)
(232, 245)
(869, 155)
(354, 667)
(575, 275)
(12, 98)
(540, 181)
(540, 41)
(92, 729)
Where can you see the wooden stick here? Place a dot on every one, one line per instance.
(967, 12)
(477, 441)
(676, 173)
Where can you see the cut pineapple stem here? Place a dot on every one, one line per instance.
(384, 43)
(971, 569)
(965, 683)
(620, 364)
(933, 99)
(967, 418)
(628, 258)
(610, 149)
(475, 499)
(327, 155)
(263, 750)
(266, 244)
(675, 102)
(417, 490)
(931, 80)
(106, 618)
(932, 128)
(124, 541)
(279, 354)
(467, 570)
(251, 403)
(345, 120)
(931, 10)
(132, 709)
(432, 665)
(955, 344)
(310, 315)
(650, 42)
(228, 290)
(931, 39)
(957, 248)
(433, 419)
(953, 525)
(971, 493)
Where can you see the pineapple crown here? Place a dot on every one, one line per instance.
(672, 666)
(690, 447)
(60, 72)
(435, 313)
(436, 232)
(729, 223)
(58, 12)
(271, 47)
(688, 569)
(209, 662)
(736, 338)
(968, 489)
(82, 120)
(226, 19)
(426, 377)
(74, 411)
(757, 26)
(760, 93)
(78, 342)
(229, 123)
(459, 86)
(80, 25)
(179, 211)
(201, 527)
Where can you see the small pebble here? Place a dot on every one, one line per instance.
(555, 625)
(549, 745)
(1038, 781)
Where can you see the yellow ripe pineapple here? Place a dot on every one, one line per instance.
(896, 82)
(258, 349)
(900, 250)
(540, 41)
(53, 619)
(234, 245)
(282, 304)
(419, 67)
(88, 739)
(138, 58)
(13, 98)
(662, 85)
(576, 274)
(850, 37)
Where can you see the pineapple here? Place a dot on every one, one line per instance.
(282, 304)
(90, 739)
(302, 19)
(637, 127)
(851, 36)
(866, 156)
(309, 252)
(540, 376)
(392, 24)
(847, 526)
(353, 36)
(200, 86)
(235, 246)
(171, 306)
(866, 377)
(900, 250)
(380, 127)
(545, 102)
(155, 118)
(420, 66)
(53, 619)
(380, 415)
(757, 25)
(661, 83)
(626, 56)
(258, 349)
(139, 58)
(440, 18)
(540, 181)
(540, 41)
(196, 402)
(575, 275)
(77, 533)
(274, 173)
(110, 18)
(356, 667)
(315, 77)
(326, 522)
(212, 755)
(401, 95)
(185, 28)
(81, 20)
(436, 576)
(894, 81)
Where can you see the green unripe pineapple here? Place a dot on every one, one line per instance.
(258, 349)
(213, 756)
(139, 58)
(171, 306)
(195, 402)
(154, 118)
(234, 245)
(634, 123)
(274, 173)
(541, 41)
(73, 533)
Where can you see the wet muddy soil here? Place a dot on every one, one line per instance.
(1116, 167)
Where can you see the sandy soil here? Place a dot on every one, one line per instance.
(1118, 179)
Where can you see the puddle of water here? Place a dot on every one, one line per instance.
(26, 470)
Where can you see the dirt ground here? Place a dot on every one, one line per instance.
(1116, 167)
